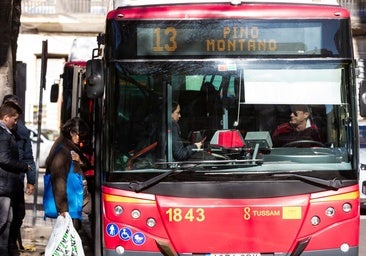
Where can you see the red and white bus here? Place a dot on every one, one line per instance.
(236, 69)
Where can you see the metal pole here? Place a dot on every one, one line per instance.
(42, 87)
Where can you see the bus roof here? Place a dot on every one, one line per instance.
(226, 10)
(123, 3)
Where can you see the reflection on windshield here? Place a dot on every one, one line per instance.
(230, 116)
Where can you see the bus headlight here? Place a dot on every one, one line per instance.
(135, 214)
(347, 207)
(118, 210)
(345, 247)
(330, 212)
(315, 220)
(151, 222)
(120, 250)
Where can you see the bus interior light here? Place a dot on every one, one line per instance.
(347, 207)
(118, 210)
(315, 220)
(135, 214)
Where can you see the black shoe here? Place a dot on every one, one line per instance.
(14, 250)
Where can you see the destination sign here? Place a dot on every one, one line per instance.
(228, 40)
(218, 38)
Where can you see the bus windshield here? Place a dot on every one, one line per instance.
(236, 108)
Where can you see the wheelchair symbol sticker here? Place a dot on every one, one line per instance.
(138, 238)
(125, 234)
(112, 229)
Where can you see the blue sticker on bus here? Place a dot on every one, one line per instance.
(138, 238)
(112, 229)
(125, 234)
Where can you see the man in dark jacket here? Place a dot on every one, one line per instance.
(10, 168)
(21, 134)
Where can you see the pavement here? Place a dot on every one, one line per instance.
(36, 230)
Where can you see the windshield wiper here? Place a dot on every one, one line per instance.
(334, 184)
(138, 186)
(185, 166)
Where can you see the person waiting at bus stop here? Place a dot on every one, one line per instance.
(64, 150)
(180, 151)
(299, 128)
(10, 168)
(21, 134)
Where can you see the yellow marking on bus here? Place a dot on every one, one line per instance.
(347, 196)
(291, 212)
(123, 199)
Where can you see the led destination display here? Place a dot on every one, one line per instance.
(221, 38)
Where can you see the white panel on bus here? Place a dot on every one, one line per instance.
(308, 86)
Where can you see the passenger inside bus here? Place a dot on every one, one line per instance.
(299, 130)
(208, 108)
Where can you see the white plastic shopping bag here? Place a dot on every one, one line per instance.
(64, 239)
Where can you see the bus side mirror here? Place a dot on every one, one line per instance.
(54, 92)
(94, 78)
(362, 98)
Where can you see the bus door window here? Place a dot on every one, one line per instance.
(134, 120)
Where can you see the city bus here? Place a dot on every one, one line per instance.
(238, 71)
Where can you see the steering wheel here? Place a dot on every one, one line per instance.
(302, 142)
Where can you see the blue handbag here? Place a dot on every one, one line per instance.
(75, 195)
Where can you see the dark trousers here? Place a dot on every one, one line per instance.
(18, 205)
(6, 216)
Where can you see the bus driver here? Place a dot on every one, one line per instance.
(298, 128)
(180, 151)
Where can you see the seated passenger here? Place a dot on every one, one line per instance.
(298, 128)
(180, 151)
